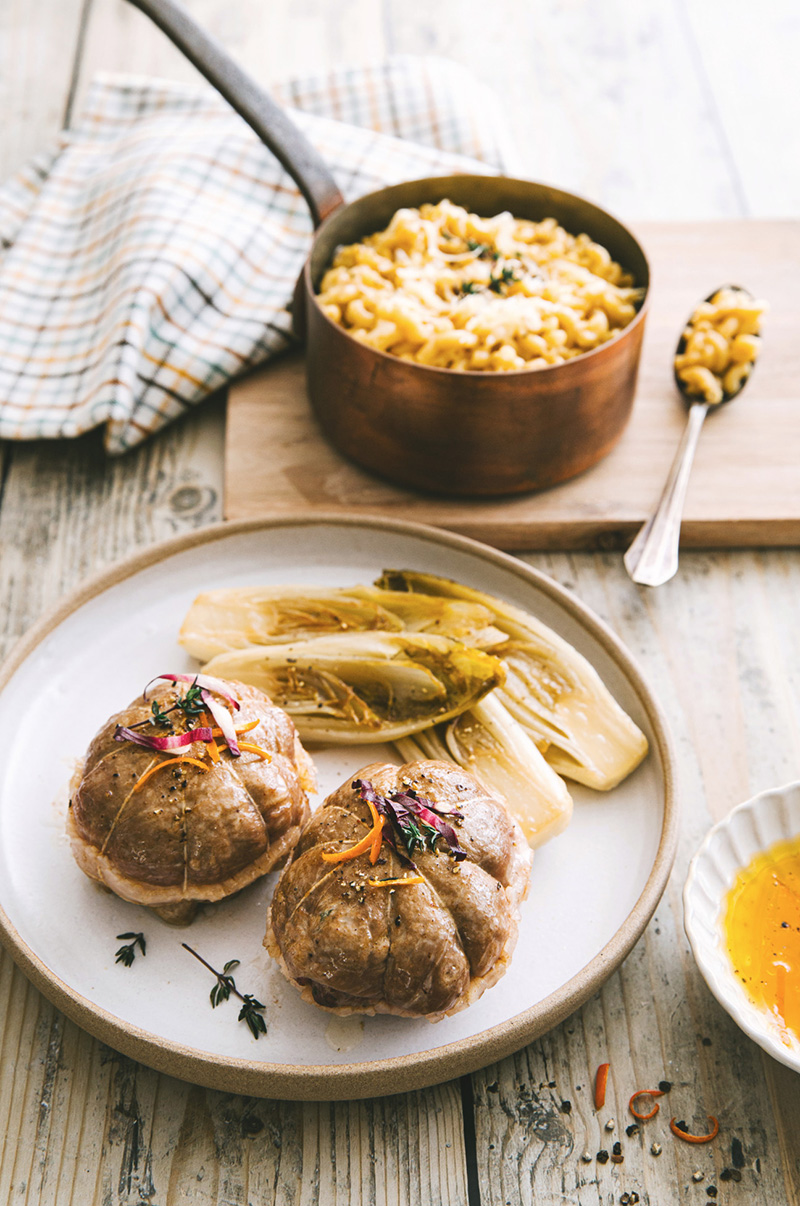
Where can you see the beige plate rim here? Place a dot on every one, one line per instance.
(403, 1073)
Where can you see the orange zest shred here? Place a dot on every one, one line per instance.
(681, 1134)
(240, 728)
(211, 746)
(376, 841)
(396, 883)
(341, 856)
(255, 749)
(371, 841)
(600, 1082)
(645, 1093)
(377, 830)
(140, 782)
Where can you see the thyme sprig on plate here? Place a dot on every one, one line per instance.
(127, 954)
(251, 1011)
(225, 984)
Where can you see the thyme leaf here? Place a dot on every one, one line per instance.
(225, 984)
(251, 1011)
(159, 716)
(483, 249)
(191, 704)
(504, 277)
(414, 821)
(127, 954)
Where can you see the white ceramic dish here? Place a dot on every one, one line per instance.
(99, 649)
(756, 825)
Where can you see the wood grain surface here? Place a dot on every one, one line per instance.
(666, 110)
(744, 489)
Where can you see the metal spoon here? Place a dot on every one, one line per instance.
(652, 558)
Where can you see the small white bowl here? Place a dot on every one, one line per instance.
(753, 827)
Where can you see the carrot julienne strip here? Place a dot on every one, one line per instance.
(140, 782)
(240, 728)
(376, 842)
(645, 1093)
(211, 745)
(681, 1134)
(341, 856)
(600, 1082)
(377, 828)
(371, 842)
(393, 883)
(255, 749)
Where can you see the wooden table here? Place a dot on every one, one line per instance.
(659, 110)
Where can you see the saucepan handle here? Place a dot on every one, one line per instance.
(289, 145)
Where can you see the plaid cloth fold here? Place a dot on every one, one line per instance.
(151, 256)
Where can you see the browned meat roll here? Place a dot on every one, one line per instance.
(427, 944)
(188, 820)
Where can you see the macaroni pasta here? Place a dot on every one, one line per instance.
(720, 345)
(444, 287)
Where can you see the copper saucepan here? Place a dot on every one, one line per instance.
(469, 434)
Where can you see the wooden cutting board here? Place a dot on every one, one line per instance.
(745, 487)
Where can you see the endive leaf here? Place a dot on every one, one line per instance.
(551, 689)
(222, 620)
(488, 743)
(362, 687)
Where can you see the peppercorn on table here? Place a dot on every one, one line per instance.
(643, 109)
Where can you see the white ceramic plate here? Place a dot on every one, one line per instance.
(592, 892)
(773, 816)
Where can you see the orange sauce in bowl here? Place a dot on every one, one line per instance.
(762, 934)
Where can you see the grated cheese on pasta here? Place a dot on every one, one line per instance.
(443, 287)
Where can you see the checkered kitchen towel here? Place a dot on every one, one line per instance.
(151, 256)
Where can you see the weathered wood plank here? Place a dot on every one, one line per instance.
(272, 41)
(655, 1019)
(82, 1124)
(747, 53)
(68, 511)
(37, 48)
(605, 100)
(631, 104)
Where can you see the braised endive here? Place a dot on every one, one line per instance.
(488, 743)
(222, 620)
(365, 686)
(550, 689)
